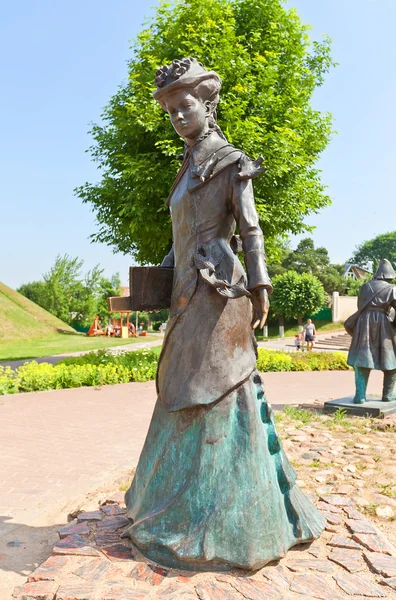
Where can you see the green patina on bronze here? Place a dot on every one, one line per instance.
(214, 489)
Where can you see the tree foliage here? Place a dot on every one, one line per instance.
(270, 70)
(296, 295)
(382, 246)
(73, 298)
(308, 259)
(355, 285)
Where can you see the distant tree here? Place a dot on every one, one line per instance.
(332, 279)
(159, 316)
(64, 291)
(106, 289)
(382, 246)
(296, 295)
(85, 305)
(354, 285)
(308, 259)
(73, 298)
(34, 291)
(270, 69)
(276, 266)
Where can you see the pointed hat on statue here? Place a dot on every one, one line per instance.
(385, 270)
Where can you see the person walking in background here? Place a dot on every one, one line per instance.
(309, 334)
(298, 339)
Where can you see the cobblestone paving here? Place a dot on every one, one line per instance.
(354, 457)
(354, 558)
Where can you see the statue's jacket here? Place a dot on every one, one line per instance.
(209, 348)
(373, 343)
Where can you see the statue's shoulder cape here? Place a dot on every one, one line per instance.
(215, 155)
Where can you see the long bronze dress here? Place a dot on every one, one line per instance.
(213, 488)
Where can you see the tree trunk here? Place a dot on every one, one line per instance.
(281, 327)
(300, 325)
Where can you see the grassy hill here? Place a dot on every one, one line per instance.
(22, 319)
(29, 331)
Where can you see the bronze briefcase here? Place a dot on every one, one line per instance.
(150, 288)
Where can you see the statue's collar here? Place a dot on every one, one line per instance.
(202, 150)
(204, 160)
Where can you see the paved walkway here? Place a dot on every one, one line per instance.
(57, 446)
(287, 343)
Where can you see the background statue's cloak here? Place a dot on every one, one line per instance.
(374, 337)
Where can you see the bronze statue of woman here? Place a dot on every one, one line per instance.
(213, 489)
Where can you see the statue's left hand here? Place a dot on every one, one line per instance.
(260, 307)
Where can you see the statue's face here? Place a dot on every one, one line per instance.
(188, 115)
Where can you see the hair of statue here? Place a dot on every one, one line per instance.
(209, 91)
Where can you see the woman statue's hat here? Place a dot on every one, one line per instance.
(187, 72)
(385, 270)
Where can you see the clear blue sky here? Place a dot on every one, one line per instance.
(60, 63)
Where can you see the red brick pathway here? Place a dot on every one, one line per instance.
(83, 568)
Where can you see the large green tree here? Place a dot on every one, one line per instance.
(382, 246)
(270, 70)
(296, 295)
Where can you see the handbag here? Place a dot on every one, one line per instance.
(350, 323)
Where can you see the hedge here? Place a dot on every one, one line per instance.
(106, 368)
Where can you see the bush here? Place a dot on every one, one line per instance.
(105, 368)
(7, 382)
(273, 360)
(269, 361)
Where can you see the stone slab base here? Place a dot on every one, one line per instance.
(371, 408)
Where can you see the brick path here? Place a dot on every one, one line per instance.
(91, 561)
(55, 447)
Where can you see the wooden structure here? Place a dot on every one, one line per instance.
(119, 326)
(150, 288)
(96, 328)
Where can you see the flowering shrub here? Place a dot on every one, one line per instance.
(107, 368)
(273, 360)
(7, 382)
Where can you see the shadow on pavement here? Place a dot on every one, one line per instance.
(22, 549)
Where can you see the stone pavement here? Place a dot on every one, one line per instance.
(58, 446)
(286, 344)
(91, 561)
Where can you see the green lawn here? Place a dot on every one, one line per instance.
(61, 343)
